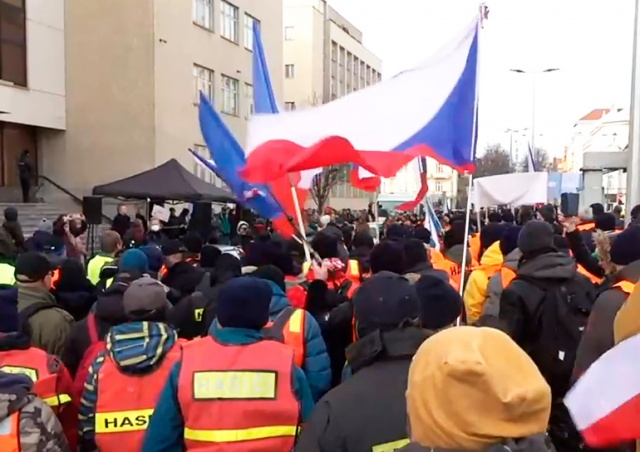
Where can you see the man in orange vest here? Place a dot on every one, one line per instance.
(27, 424)
(233, 390)
(298, 329)
(510, 258)
(598, 337)
(51, 380)
(123, 384)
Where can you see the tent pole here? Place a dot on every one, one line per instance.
(465, 251)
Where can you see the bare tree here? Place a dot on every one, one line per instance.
(324, 182)
(494, 161)
(541, 161)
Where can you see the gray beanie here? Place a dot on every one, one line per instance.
(45, 226)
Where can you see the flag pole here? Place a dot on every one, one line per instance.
(296, 204)
(465, 251)
(633, 178)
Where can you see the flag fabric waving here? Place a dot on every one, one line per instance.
(531, 165)
(429, 110)
(424, 187)
(605, 401)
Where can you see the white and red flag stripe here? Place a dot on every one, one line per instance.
(605, 402)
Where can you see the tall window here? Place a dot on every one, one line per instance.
(229, 21)
(203, 78)
(200, 170)
(439, 168)
(289, 33)
(438, 186)
(203, 13)
(13, 42)
(334, 51)
(248, 94)
(248, 31)
(230, 96)
(289, 106)
(289, 70)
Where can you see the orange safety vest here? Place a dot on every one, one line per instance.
(10, 433)
(626, 286)
(586, 226)
(288, 328)
(35, 363)
(236, 398)
(583, 271)
(474, 246)
(507, 275)
(55, 277)
(125, 403)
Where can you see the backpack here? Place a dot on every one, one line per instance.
(97, 346)
(25, 314)
(559, 320)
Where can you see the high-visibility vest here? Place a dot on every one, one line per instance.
(10, 433)
(125, 402)
(95, 266)
(55, 277)
(474, 246)
(586, 226)
(7, 274)
(297, 293)
(35, 363)
(288, 327)
(583, 271)
(236, 398)
(626, 286)
(506, 276)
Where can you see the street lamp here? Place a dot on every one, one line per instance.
(533, 95)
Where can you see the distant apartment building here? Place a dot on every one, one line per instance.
(581, 131)
(442, 181)
(101, 90)
(324, 58)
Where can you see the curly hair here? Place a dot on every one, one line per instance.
(603, 247)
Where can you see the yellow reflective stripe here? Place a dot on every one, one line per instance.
(390, 447)
(295, 321)
(197, 314)
(247, 434)
(122, 421)
(108, 282)
(306, 267)
(57, 400)
(354, 268)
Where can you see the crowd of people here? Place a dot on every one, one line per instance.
(160, 342)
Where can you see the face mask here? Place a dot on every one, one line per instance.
(155, 227)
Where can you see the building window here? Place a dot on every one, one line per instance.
(289, 33)
(248, 94)
(438, 186)
(289, 70)
(229, 21)
(439, 168)
(332, 88)
(203, 13)
(349, 61)
(289, 106)
(204, 82)
(362, 73)
(230, 96)
(334, 51)
(248, 31)
(379, 77)
(199, 169)
(13, 42)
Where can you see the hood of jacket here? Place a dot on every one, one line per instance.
(511, 260)
(492, 256)
(550, 266)
(138, 347)
(378, 346)
(108, 306)
(14, 391)
(414, 273)
(454, 254)
(536, 443)
(279, 299)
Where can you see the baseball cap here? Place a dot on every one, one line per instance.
(144, 294)
(173, 247)
(31, 267)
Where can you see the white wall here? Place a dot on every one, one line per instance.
(42, 103)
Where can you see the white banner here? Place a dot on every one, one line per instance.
(515, 189)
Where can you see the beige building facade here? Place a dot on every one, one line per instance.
(114, 91)
(325, 58)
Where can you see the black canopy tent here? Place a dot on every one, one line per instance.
(169, 181)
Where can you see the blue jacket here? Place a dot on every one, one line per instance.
(136, 348)
(166, 427)
(316, 365)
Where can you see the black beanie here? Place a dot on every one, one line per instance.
(396, 232)
(605, 222)
(423, 234)
(490, 234)
(209, 256)
(414, 253)
(455, 235)
(509, 240)
(625, 248)
(270, 273)
(387, 255)
(440, 304)
(244, 303)
(325, 244)
(535, 236)
(192, 242)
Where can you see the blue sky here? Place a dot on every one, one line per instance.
(590, 41)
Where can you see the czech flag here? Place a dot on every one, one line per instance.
(429, 111)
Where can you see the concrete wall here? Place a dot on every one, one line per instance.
(42, 102)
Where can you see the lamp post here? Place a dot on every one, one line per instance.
(633, 182)
(534, 77)
(511, 132)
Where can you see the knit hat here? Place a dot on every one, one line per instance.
(535, 236)
(244, 303)
(625, 248)
(440, 304)
(173, 247)
(490, 234)
(45, 226)
(143, 295)
(270, 273)
(423, 234)
(209, 256)
(133, 261)
(502, 392)
(11, 214)
(32, 267)
(384, 302)
(509, 240)
(9, 319)
(597, 209)
(325, 244)
(397, 232)
(192, 242)
(154, 257)
(605, 222)
(415, 253)
(362, 239)
(387, 255)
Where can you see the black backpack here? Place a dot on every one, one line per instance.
(559, 320)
